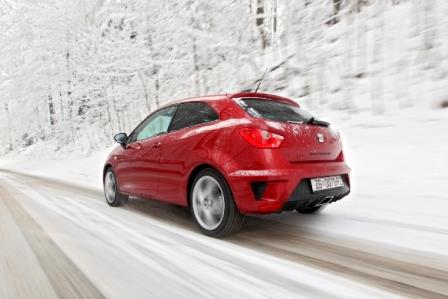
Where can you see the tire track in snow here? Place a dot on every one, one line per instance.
(65, 278)
(237, 274)
(407, 275)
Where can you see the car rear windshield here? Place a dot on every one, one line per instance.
(274, 110)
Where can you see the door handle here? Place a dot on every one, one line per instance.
(135, 146)
(157, 144)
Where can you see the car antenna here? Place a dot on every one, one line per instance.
(261, 80)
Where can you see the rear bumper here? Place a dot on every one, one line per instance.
(304, 197)
(277, 190)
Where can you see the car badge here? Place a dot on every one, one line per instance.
(320, 138)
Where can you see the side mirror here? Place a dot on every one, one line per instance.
(121, 138)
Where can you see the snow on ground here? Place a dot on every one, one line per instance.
(70, 166)
(400, 170)
(130, 255)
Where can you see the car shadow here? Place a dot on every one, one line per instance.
(281, 226)
(161, 211)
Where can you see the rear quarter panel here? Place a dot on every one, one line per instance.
(211, 144)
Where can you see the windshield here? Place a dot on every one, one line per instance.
(274, 110)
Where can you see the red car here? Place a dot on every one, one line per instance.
(226, 156)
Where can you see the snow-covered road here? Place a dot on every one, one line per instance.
(84, 248)
(388, 238)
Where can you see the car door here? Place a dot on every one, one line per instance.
(179, 149)
(138, 169)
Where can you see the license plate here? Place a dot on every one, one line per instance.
(330, 182)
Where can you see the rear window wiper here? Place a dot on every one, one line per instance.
(311, 121)
(295, 121)
(318, 122)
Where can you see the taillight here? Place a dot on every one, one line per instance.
(340, 157)
(261, 138)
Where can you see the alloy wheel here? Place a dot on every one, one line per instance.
(110, 187)
(208, 202)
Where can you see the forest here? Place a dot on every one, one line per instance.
(78, 71)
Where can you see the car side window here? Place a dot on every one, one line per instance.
(156, 124)
(191, 114)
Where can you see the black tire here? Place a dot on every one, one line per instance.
(232, 219)
(313, 210)
(118, 198)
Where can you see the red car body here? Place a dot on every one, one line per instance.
(262, 180)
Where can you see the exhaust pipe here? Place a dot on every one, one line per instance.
(325, 200)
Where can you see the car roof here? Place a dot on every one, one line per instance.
(218, 97)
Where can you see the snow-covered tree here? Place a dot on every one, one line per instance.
(80, 71)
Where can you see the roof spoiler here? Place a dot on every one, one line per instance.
(262, 96)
